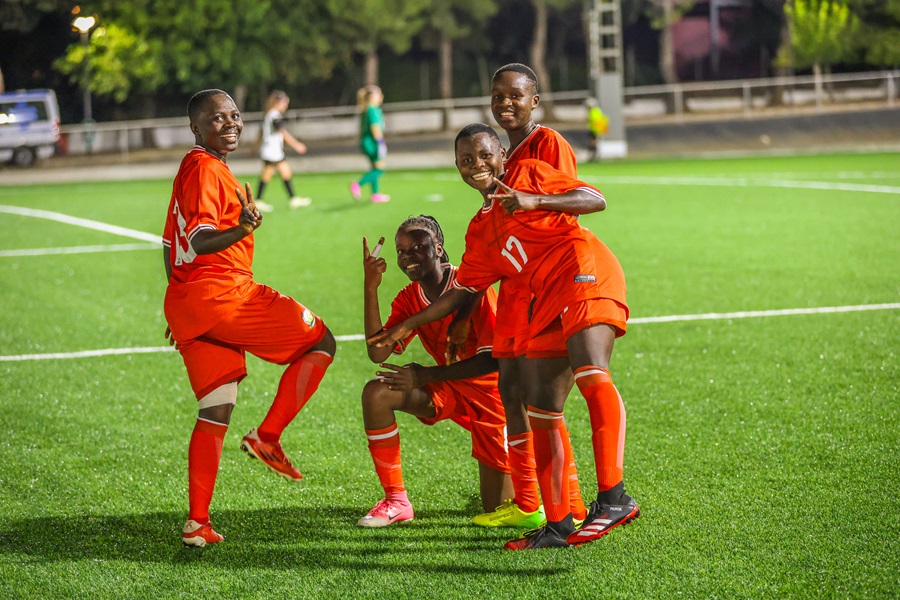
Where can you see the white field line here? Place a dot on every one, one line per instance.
(748, 182)
(361, 337)
(742, 181)
(86, 223)
(78, 249)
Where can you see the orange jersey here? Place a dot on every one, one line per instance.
(474, 404)
(547, 251)
(412, 299)
(203, 288)
(512, 304)
(547, 145)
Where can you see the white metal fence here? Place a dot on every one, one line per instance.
(740, 99)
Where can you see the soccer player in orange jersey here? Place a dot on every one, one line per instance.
(514, 96)
(464, 391)
(526, 229)
(216, 312)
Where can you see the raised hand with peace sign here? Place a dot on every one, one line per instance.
(513, 200)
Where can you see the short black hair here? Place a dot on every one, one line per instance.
(519, 68)
(198, 100)
(474, 129)
(429, 224)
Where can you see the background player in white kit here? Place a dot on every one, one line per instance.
(274, 136)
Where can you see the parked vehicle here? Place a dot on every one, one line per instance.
(29, 126)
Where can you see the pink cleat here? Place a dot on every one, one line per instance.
(386, 512)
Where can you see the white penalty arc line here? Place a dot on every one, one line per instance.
(77, 221)
(361, 337)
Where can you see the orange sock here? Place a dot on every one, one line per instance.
(607, 423)
(576, 503)
(551, 458)
(384, 445)
(524, 478)
(204, 453)
(300, 381)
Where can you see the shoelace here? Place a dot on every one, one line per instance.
(506, 503)
(385, 505)
(278, 452)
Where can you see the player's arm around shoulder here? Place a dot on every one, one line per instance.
(539, 186)
(474, 366)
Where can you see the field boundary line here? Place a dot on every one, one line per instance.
(765, 313)
(360, 337)
(747, 182)
(79, 222)
(741, 181)
(78, 249)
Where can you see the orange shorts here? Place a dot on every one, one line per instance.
(551, 341)
(511, 331)
(268, 324)
(476, 411)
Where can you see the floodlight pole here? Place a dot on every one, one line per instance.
(88, 110)
(83, 25)
(606, 72)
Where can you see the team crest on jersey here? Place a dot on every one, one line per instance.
(308, 317)
(585, 279)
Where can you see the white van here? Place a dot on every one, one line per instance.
(29, 126)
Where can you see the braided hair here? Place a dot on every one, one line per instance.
(429, 224)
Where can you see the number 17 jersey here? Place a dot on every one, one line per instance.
(547, 251)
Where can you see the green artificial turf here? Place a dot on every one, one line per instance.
(764, 450)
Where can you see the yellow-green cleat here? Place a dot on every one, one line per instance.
(510, 515)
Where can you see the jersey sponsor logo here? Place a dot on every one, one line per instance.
(308, 317)
(585, 279)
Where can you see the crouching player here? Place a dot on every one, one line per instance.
(524, 230)
(465, 391)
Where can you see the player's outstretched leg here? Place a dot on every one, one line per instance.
(298, 383)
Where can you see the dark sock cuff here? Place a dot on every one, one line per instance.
(614, 495)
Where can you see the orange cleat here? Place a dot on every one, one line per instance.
(195, 534)
(271, 454)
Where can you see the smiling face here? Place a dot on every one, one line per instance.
(479, 158)
(218, 126)
(513, 98)
(418, 254)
